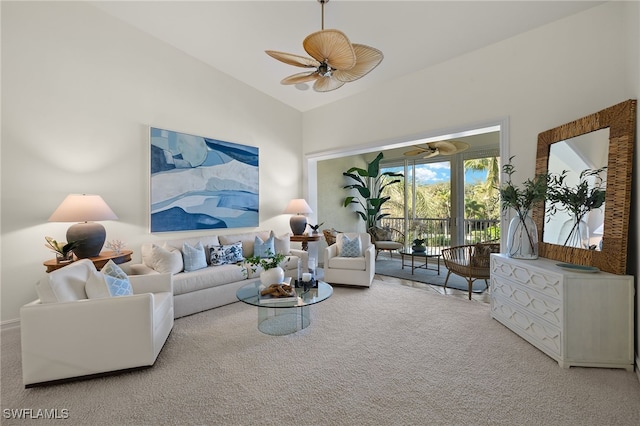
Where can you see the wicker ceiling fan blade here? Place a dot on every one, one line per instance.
(291, 59)
(449, 147)
(327, 84)
(415, 152)
(302, 77)
(332, 47)
(367, 58)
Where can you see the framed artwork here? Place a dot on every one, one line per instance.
(201, 183)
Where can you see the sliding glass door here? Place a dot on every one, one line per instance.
(446, 200)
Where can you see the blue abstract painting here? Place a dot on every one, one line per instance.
(201, 183)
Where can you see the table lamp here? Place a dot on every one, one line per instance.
(85, 209)
(298, 207)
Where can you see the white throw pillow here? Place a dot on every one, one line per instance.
(282, 243)
(65, 284)
(111, 281)
(166, 259)
(194, 257)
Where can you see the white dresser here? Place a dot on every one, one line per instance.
(578, 319)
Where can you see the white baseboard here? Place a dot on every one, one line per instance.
(9, 324)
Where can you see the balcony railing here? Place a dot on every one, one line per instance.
(437, 232)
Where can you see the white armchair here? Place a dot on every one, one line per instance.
(357, 271)
(71, 336)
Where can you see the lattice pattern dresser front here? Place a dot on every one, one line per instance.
(578, 319)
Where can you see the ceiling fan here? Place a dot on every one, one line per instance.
(438, 148)
(334, 59)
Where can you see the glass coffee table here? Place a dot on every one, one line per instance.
(421, 256)
(279, 318)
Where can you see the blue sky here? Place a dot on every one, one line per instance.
(441, 172)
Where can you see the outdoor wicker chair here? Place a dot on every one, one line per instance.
(330, 236)
(469, 261)
(386, 238)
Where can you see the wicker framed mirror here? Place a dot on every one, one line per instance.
(620, 119)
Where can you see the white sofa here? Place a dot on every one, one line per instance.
(357, 270)
(214, 286)
(67, 335)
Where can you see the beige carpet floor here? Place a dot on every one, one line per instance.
(388, 355)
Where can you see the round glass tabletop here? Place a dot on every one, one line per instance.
(250, 294)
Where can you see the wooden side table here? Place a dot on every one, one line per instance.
(304, 239)
(99, 261)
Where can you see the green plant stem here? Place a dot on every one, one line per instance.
(576, 225)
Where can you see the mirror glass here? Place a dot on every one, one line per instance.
(588, 151)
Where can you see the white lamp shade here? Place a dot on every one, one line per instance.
(88, 235)
(82, 208)
(298, 206)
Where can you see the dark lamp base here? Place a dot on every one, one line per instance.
(90, 237)
(298, 224)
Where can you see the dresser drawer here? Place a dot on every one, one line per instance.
(545, 282)
(528, 299)
(546, 337)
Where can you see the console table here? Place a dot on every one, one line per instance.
(99, 261)
(576, 318)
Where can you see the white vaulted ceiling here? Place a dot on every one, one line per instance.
(232, 36)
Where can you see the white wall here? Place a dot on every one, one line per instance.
(79, 90)
(539, 80)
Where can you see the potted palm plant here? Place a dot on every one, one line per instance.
(370, 183)
(522, 237)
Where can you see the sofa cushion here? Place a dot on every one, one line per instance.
(165, 259)
(348, 263)
(194, 257)
(66, 284)
(350, 247)
(212, 276)
(111, 281)
(264, 248)
(225, 254)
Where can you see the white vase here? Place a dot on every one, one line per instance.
(522, 238)
(272, 276)
(574, 233)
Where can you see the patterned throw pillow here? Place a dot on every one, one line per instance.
(221, 255)
(264, 248)
(111, 281)
(350, 247)
(194, 257)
